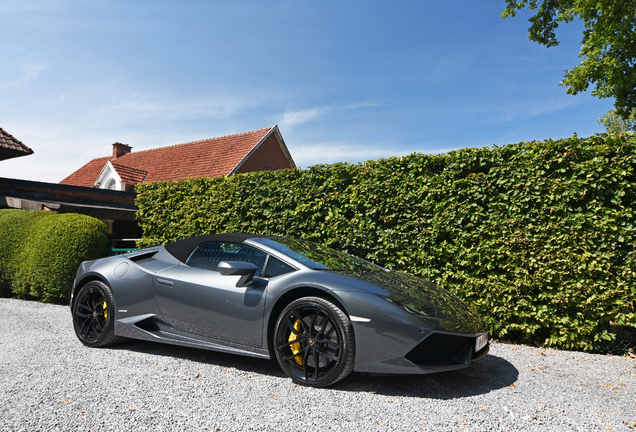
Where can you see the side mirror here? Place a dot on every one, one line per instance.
(238, 268)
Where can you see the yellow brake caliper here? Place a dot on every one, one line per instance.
(296, 346)
(105, 312)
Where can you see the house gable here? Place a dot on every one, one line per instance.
(108, 178)
(269, 154)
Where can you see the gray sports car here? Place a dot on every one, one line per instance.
(321, 313)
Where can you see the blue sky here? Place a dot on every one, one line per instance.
(344, 80)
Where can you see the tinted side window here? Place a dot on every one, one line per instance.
(276, 267)
(208, 255)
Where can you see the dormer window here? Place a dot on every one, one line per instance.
(111, 185)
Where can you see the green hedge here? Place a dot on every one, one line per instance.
(538, 236)
(15, 226)
(40, 252)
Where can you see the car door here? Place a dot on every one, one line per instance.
(194, 297)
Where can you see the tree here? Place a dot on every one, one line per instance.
(617, 124)
(608, 46)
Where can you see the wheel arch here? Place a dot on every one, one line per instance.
(86, 279)
(287, 298)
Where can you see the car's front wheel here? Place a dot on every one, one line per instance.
(314, 342)
(93, 317)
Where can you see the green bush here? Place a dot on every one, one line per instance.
(48, 250)
(15, 226)
(538, 236)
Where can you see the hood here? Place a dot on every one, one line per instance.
(422, 298)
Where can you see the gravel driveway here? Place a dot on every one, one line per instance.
(50, 381)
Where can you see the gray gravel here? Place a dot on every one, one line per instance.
(50, 381)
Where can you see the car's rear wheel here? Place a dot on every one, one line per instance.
(93, 315)
(314, 342)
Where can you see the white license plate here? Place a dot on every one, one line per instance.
(481, 341)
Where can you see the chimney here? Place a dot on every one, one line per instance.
(120, 149)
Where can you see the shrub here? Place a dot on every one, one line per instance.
(45, 259)
(538, 236)
(15, 226)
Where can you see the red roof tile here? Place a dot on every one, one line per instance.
(130, 175)
(212, 157)
(11, 147)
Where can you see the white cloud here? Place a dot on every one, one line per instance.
(291, 119)
(336, 152)
(331, 152)
(362, 105)
(523, 109)
(30, 73)
(136, 107)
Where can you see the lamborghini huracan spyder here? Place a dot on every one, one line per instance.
(321, 313)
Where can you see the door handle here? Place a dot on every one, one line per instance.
(165, 282)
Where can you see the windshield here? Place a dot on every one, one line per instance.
(315, 256)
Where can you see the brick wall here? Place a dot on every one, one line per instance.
(269, 156)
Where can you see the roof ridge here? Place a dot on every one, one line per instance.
(102, 157)
(198, 141)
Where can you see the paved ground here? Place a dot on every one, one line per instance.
(49, 381)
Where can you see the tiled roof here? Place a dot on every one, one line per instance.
(130, 175)
(10, 147)
(212, 157)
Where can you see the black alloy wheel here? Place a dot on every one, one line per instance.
(93, 315)
(314, 343)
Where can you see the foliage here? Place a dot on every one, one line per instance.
(15, 226)
(608, 46)
(616, 124)
(45, 250)
(538, 236)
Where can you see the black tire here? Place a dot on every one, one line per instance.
(314, 343)
(93, 315)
